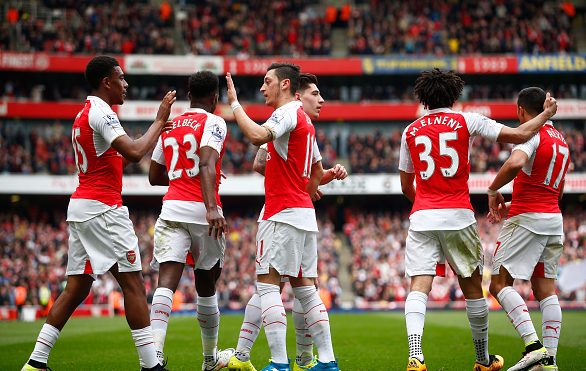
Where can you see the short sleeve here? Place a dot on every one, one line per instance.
(158, 154)
(280, 123)
(529, 147)
(405, 161)
(482, 126)
(108, 126)
(214, 133)
(316, 154)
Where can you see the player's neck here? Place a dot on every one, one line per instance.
(285, 99)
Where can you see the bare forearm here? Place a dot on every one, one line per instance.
(328, 177)
(260, 162)
(258, 135)
(317, 173)
(504, 176)
(208, 186)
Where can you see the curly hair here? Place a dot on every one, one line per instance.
(285, 70)
(98, 68)
(203, 84)
(437, 88)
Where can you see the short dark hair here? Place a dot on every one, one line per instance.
(531, 99)
(437, 88)
(203, 84)
(98, 68)
(286, 70)
(306, 79)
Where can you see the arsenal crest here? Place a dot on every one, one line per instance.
(131, 256)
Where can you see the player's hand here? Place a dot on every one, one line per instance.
(222, 175)
(232, 97)
(550, 105)
(495, 203)
(168, 126)
(218, 225)
(339, 172)
(318, 195)
(165, 107)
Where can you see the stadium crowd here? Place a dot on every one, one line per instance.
(294, 27)
(46, 149)
(462, 27)
(33, 256)
(378, 265)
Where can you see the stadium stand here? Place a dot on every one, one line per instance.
(47, 149)
(34, 255)
(378, 244)
(294, 28)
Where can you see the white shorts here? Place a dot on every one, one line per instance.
(291, 251)
(525, 254)
(95, 245)
(187, 243)
(427, 251)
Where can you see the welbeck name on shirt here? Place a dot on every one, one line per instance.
(438, 120)
(186, 122)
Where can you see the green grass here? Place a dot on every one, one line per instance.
(362, 341)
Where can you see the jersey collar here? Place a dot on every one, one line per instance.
(438, 110)
(195, 110)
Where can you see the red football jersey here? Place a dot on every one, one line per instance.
(536, 188)
(181, 146)
(289, 160)
(99, 166)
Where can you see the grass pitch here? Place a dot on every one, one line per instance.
(362, 341)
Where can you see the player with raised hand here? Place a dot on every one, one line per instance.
(191, 227)
(530, 244)
(286, 238)
(435, 151)
(308, 94)
(102, 237)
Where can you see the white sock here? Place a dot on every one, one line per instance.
(160, 315)
(551, 325)
(250, 328)
(274, 320)
(47, 338)
(477, 311)
(145, 345)
(208, 316)
(304, 339)
(318, 322)
(517, 312)
(415, 308)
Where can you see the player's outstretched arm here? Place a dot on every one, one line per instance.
(338, 172)
(524, 132)
(158, 174)
(208, 157)
(134, 150)
(408, 185)
(260, 161)
(258, 135)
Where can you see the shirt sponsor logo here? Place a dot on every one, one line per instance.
(131, 256)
